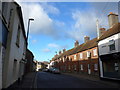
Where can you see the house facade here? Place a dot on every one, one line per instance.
(109, 51)
(13, 53)
(3, 42)
(29, 65)
(82, 59)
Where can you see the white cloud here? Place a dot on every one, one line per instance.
(34, 41)
(42, 23)
(46, 50)
(85, 24)
(53, 45)
(50, 8)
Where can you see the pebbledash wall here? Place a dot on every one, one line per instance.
(14, 61)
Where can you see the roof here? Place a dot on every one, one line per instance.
(90, 44)
(112, 31)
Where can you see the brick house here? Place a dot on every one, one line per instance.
(81, 59)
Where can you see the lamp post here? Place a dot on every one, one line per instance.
(30, 19)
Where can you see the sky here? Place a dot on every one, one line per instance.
(57, 25)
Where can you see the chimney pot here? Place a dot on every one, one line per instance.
(111, 13)
(86, 38)
(102, 31)
(59, 52)
(76, 43)
(64, 50)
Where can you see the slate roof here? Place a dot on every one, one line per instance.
(112, 31)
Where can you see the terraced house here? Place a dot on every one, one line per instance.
(82, 58)
(101, 54)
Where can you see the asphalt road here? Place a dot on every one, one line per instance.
(49, 80)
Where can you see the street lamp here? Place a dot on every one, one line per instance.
(30, 19)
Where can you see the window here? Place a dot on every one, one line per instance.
(95, 67)
(69, 58)
(74, 57)
(112, 45)
(69, 67)
(63, 59)
(88, 54)
(75, 67)
(95, 52)
(81, 55)
(88, 66)
(4, 10)
(4, 33)
(81, 67)
(18, 36)
(116, 66)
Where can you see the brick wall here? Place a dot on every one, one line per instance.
(74, 65)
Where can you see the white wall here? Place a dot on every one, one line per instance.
(13, 52)
(104, 45)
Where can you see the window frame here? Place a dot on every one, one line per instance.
(95, 52)
(81, 55)
(18, 36)
(112, 46)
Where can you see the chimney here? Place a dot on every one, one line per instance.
(113, 19)
(64, 50)
(76, 43)
(98, 31)
(60, 52)
(102, 31)
(86, 39)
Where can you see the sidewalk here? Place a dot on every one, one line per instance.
(94, 79)
(27, 82)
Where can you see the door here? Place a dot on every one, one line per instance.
(89, 71)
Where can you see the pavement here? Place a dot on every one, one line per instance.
(95, 79)
(27, 82)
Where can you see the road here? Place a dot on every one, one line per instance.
(49, 80)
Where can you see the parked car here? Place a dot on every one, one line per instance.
(51, 69)
(45, 70)
(56, 70)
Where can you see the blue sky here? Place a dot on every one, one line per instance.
(58, 24)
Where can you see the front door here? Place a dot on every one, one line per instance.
(89, 71)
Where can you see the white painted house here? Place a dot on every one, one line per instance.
(16, 43)
(109, 50)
